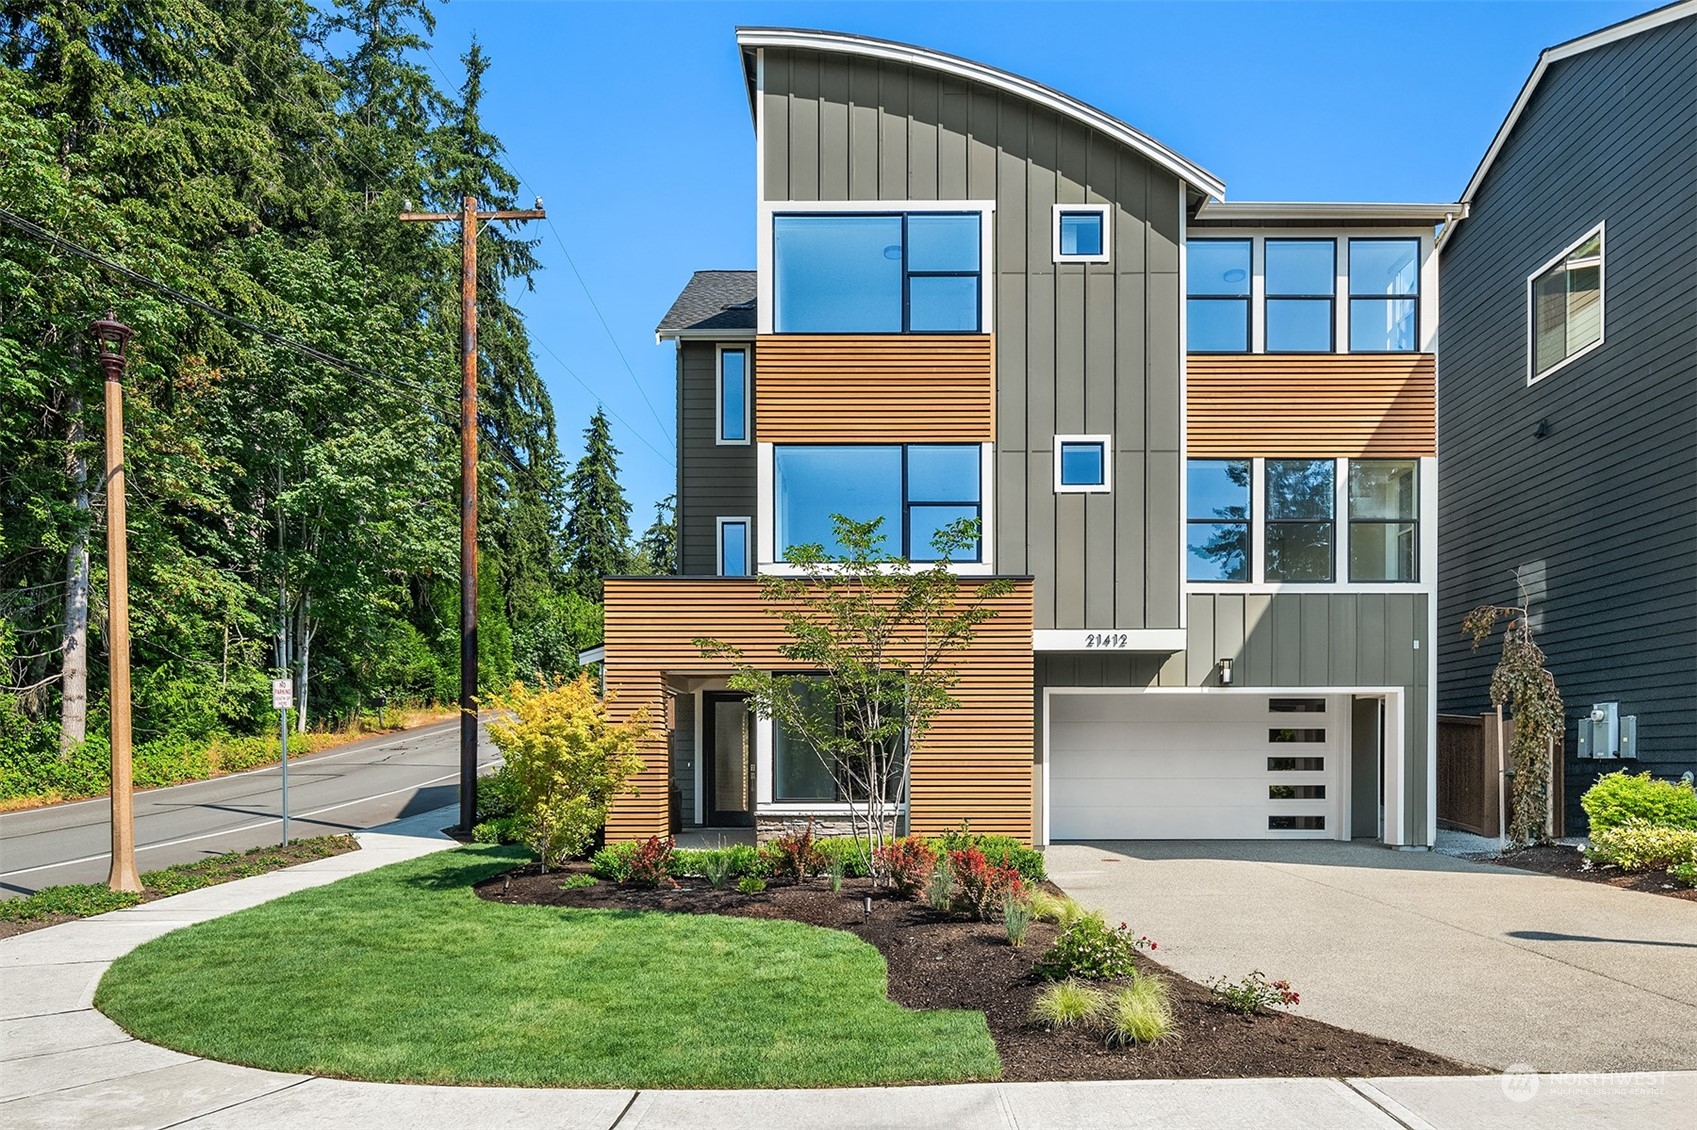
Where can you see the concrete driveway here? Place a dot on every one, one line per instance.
(1482, 963)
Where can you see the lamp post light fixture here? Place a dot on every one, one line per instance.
(1225, 672)
(110, 337)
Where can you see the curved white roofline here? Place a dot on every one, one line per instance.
(1651, 19)
(1194, 175)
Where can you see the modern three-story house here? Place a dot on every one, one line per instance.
(1200, 437)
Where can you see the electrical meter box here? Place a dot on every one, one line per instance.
(1605, 734)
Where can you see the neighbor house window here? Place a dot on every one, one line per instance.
(917, 490)
(1301, 282)
(1217, 542)
(917, 272)
(1301, 503)
(1384, 519)
(1384, 295)
(733, 547)
(1081, 233)
(1566, 304)
(732, 406)
(1217, 307)
(1082, 464)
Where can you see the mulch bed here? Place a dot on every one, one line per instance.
(949, 961)
(1554, 859)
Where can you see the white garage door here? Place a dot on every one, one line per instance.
(1195, 766)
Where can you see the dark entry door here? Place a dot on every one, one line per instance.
(727, 732)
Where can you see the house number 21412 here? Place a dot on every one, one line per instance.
(1107, 639)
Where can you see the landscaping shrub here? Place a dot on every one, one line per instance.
(1067, 1004)
(940, 887)
(1619, 797)
(1003, 851)
(1638, 845)
(1016, 918)
(568, 760)
(1092, 949)
(1045, 907)
(715, 868)
(613, 862)
(834, 874)
(727, 862)
(1140, 1013)
(651, 866)
(751, 884)
(499, 830)
(794, 855)
(1253, 994)
(908, 862)
(1685, 873)
(849, 851)
(577, 882)
(79, 899)
(983, 885)
(497, 794)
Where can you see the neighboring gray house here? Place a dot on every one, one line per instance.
(1568, 393)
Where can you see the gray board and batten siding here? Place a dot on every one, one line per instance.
(1288, 639)
(1601, 512)
(1080, 348)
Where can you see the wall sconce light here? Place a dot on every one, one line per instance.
(1225, 672)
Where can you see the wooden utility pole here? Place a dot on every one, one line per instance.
(469, 217)
(110, 335)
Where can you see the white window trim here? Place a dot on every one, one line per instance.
(986, 251)
(1599, 231)
(747, 395)
(1106, 486)
(1427, 551)
(1102, 210)
(1427, 299)
(766, 531)
(747, 525)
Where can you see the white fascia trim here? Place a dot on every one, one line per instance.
(764, 302)
(1533, 378)
(1250, 212)
(823, 808)
(719, 439)
(1106, 486)
(662, 336)
(1160, 640)
(1065, 105)
(1600, 38)
(1102, 210)
(597, 654)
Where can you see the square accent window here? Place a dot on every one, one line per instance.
(733, 547)
(1565, 305)
(1384, 295)
(732, 401)
(1217, 305)
(1081, 233)
(1082, 464)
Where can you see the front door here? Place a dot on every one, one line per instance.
(727, 732)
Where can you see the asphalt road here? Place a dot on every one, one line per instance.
(345, 789)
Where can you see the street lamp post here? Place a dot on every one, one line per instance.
(110, 336)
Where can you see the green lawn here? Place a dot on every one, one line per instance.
(403, 974)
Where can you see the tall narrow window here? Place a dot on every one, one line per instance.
(1217, 546)
(1301, 507)
(1567, 305)
(732, 411)
(1301, 282)
(1384, 295)
(733, 547)
(1217, 308)
(1384, 525)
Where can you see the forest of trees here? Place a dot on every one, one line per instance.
(283, 512)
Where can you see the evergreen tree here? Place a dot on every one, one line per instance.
(657, 550)
(598, 517)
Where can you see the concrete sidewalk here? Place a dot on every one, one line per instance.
(62, 1064)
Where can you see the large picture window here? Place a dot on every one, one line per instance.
(1217, 306)
(912, 272)
(799, 774)
(1301, 505)
(1217, 546)
(917, 489)
(1567, 305)
(1384, 525)
(1384, 295)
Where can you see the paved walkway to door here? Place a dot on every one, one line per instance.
(1479, 962)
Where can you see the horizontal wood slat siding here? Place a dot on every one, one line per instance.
(975, 764)
(884, 388)
(1328, 404)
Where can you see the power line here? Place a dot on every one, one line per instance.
(666, 459)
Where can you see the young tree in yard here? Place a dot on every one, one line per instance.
(598, 517)
(874, 635)
(568, 760)
(1522, 683)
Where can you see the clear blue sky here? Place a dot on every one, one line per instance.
(630, 121)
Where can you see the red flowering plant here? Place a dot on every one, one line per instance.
(983, 885)
(795, 855)
(652, 864)
(1254, 994)
(908, 862)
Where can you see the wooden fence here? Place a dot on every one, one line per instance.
(1468, 779)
